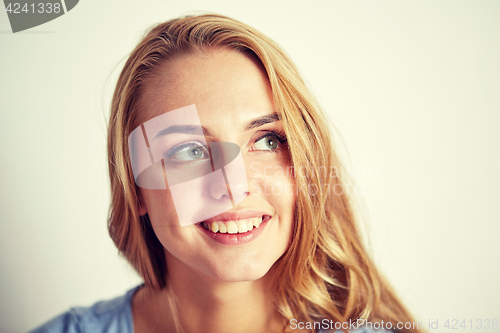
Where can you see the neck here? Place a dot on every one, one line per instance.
(209, 305)
(203, 304)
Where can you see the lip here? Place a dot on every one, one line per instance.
(236, 239)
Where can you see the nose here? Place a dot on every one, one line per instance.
(218, 187)
(228, 159)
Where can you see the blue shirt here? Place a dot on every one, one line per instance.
(113, 316)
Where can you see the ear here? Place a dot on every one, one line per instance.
(142, 206)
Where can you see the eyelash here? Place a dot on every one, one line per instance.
(174, 150)
(281, 137)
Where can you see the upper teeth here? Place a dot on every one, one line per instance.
(233, 227)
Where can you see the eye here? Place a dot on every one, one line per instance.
(188, 152)
(269, 142)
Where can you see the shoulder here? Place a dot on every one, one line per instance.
(111, 316)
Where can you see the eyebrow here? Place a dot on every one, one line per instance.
(267, 119)
(200, 130)
(185, 129)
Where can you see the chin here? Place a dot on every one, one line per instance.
(241, 273)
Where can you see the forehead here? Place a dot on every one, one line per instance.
(223, 84)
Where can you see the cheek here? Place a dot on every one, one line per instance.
(273, 179)
(161, 210)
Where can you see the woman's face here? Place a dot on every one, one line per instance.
(234, 102)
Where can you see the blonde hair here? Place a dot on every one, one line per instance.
(326, 272)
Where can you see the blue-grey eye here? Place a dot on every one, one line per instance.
(269, 142)
(189, 153)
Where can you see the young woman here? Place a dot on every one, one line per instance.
(257, 238)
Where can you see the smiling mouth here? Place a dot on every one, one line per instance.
(234, 226)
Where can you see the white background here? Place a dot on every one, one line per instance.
(414, 88)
